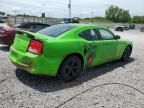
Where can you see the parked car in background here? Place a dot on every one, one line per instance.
(1, 20)
(125, 27)
(70, 20)
(132, 26)
(64, 50)
(32, 27)
(118, 28)
(7, 34)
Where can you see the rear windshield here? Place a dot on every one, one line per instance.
(56, 30)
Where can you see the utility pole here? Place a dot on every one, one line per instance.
(69, 7)
(92, 15)
(30, 12)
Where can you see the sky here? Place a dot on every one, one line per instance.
(59, 8)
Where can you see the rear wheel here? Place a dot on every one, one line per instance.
(126, 54)
(70, 68)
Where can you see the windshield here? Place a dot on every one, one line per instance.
(56, 30)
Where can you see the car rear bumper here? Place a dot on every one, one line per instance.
(32, 63)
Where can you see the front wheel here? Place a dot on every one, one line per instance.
(70, 68)
(126, 54)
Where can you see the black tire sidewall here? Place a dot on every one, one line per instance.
(62, 75)
(126, 51)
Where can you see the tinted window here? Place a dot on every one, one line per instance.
(119, 27)
(89, 35)
(106, 35)
(56, 30)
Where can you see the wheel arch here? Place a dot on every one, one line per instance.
(72, 54)
(130, 46)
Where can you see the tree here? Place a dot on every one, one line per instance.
(138, 19)
(126, 16)
(2, 13)
(116, 14)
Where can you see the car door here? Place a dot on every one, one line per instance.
(93, 49)
(110, 44)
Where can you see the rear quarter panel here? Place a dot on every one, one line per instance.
(62, 47)
(57, 51)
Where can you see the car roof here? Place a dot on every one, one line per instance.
(118, 26)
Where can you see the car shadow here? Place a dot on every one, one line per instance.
(52, 84)
(5, 48)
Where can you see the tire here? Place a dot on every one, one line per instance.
(126, 54)
(70, 69)
(121, 30)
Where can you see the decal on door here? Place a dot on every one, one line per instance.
(90, 53)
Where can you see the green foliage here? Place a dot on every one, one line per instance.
(22, 15)
(116, 14)
(95, 19)
(2, 13)
(138, 19)
(25, 15)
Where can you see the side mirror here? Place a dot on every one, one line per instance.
(117, 37)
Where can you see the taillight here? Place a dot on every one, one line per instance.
(35, 47)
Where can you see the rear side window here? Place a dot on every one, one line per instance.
(56, 30)
(106, 35)
(90, 35)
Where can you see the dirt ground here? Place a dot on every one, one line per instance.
(112, 85)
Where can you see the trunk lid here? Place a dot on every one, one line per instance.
(21, 43)
(23, 38)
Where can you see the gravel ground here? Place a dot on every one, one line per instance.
(112, 85)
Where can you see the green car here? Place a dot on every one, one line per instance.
(64, 50)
